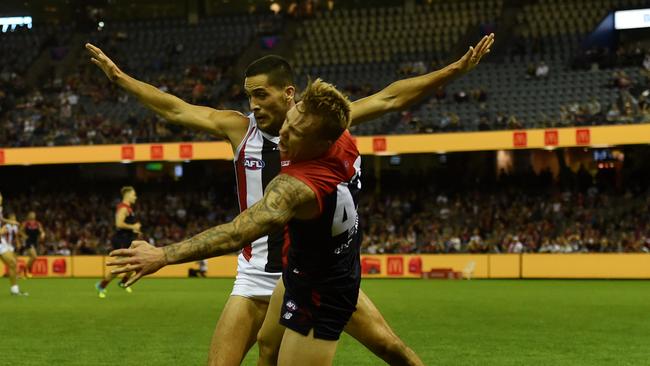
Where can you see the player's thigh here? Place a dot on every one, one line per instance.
(298, 350)
(236, 330)
(9, 259)
(31, 251)
(270, 335)
(368, 326)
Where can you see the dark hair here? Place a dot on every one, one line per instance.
(275, 67)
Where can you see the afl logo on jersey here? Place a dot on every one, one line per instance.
(253, 163)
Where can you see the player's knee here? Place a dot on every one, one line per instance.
(392, 350)
(268, 347)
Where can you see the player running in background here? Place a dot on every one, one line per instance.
(32, 231)
(127, 229)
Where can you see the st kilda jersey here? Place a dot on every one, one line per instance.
(326, 249)
(257, 162)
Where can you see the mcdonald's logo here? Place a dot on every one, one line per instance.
(583, 136)
(128, 152)
(395, 266)
(520, 139)
(551, 138)
(156, 152)
(185, 151)
(39, 267)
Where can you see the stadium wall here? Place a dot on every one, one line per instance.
(578, 266)
(599, 136)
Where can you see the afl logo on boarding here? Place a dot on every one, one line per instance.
(253, 163)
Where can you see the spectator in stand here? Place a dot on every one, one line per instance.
(541, 70)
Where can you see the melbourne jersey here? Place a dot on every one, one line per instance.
(126, 235)
(32, 230)
(326, 249)
(257, 162)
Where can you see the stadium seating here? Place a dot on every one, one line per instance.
(361, 50)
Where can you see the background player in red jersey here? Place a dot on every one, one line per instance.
(323, 260)
(32, 231)
(127, 229)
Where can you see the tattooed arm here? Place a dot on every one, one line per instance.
(285, 198)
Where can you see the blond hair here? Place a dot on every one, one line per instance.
(325, 101)
(126, 189)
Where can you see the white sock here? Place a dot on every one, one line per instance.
(14, 289)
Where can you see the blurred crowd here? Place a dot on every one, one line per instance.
(406, 221)
(507, 222)
(83, 222)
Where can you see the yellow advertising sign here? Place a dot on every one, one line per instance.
(594, 136)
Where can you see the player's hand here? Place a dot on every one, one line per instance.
(106, 64)
(474, 54)
(136, 227)
(141, 257)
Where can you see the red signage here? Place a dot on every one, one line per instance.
(551, 138)
(39, 267)
(379, 144)
(59, 266)
(415, 265)
(583, 136)
(156, 152)
(2, 156)
(185, 151)
(395, 266)
(520, 139)
(128, 152)
(370, 266)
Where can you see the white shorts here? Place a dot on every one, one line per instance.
(5, 248)
(252, 282)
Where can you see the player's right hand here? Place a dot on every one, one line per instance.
(136, 227)
(141, 257)
(106, 64)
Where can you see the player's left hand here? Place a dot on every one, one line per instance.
(474, 54)
(142, 258)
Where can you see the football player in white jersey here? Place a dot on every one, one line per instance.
(270, 88)
(7, 254)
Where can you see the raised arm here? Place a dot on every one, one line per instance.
(285, 198)
(406, 92)
(226, 124)
(41, 230)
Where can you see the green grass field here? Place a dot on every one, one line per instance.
(170, 322)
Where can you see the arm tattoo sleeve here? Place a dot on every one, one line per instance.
(282, 196)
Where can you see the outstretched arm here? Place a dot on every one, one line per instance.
(406, 92)
(285, 198)
(226, 124)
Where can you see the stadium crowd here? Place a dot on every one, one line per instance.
(513, 222)
(414, 220)
(83, 107)
(84, 222)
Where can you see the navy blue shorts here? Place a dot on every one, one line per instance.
(325, 308)
(122, 240)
